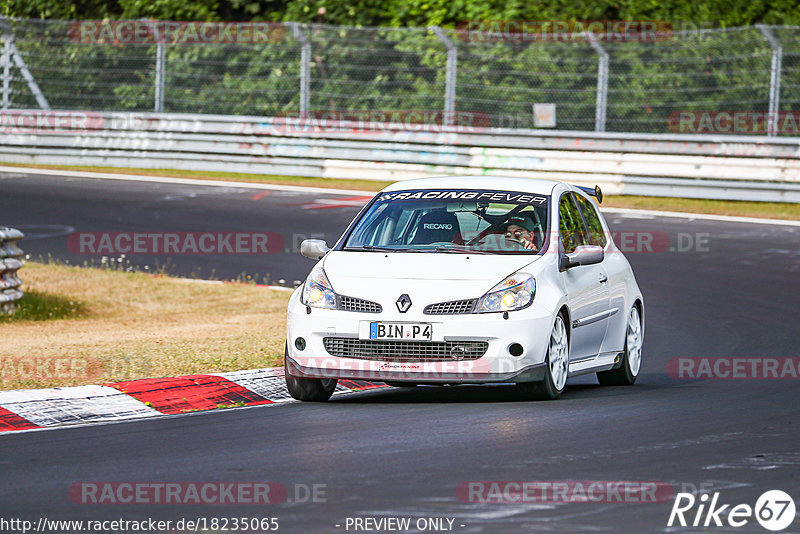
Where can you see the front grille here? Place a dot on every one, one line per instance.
(404, 351)
(452, 307)
(359, 305)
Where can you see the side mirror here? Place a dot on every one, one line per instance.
(314, 248)
(583, 255)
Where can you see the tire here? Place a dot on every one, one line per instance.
(557, 368)
(307, 389)
(626, 373)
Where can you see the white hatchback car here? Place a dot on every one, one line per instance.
(467, 280)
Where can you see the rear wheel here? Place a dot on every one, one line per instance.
(557, 368)
(307, 389)
(627, 372)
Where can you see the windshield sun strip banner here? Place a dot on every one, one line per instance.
(505, 197)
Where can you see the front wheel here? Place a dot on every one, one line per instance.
(307, 389)
(557, 368)
(627, 372)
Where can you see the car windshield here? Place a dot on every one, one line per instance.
(457, 221)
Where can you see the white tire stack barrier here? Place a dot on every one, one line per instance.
(10, 264)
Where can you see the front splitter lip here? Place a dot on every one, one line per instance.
(532, 373)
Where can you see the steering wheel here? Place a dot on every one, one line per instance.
(520, 243)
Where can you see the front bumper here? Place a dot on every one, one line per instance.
(529, 328)
(423, 374)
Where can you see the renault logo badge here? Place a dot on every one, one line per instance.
(403, 303)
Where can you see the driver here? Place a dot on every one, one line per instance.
(520, 228)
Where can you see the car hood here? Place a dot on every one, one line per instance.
(354, 273)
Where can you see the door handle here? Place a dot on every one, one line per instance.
(603, 278)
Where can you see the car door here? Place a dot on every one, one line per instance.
(616, 268)
(586, 285)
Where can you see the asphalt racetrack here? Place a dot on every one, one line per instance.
(712, 289)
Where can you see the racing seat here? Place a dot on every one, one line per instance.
(437, 226)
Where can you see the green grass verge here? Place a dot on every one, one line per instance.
(771, 210)
(738, 208)
(40, 306)
(80, 325)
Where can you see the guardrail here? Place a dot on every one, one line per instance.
(10, 264)
(695, 166)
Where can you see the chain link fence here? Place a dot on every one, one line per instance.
(662, 85)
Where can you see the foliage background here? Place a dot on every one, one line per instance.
(704, 13)
(370, 54)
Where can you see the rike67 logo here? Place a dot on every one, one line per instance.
(774, 510)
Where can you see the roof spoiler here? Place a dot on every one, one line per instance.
(595, 192)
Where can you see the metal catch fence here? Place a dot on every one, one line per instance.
(659, 83)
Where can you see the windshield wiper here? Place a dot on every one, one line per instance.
(460, 250)
(373, 248)
(454, 249)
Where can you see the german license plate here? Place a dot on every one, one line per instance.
(406, 331)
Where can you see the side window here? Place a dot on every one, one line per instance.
(596, 234)
(570, 224)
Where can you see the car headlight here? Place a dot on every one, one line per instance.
(317, 291)
(513, 293)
